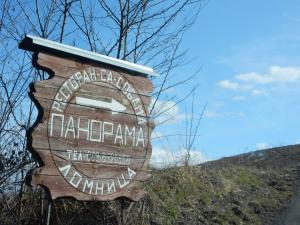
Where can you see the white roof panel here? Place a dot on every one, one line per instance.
(37, 41)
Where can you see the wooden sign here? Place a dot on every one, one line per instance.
(93, 131)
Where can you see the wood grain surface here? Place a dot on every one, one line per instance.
(93, 132)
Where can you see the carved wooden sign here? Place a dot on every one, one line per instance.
(93, 133)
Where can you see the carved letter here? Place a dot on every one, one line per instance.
(65, 169)
(92, 131)
(70, 127)
(140, 138)
(129, 133)
(111, 187)
(87, 130)
(62, 123)
(74, 177)
(131, 173)
(89, 185)
(104, 132)
(125, 182)
(119, 135)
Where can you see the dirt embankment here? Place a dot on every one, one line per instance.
(291, 215)
(249, 189)
(277, 163)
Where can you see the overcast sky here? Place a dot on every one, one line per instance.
(250, 79)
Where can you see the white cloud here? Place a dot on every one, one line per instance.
(262, 145)
(253, 77)
(239, 98)
(276, 74)
(162, 158)
(166, 112)
(210, 114)
(219, 113)
(234, 114)
(257, 92)
(228, 84)
(256, 84)
(224, 114)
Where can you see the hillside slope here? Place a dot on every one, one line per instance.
(253, 188)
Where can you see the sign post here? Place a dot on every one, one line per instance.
(93, 131)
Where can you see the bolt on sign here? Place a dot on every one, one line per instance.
(93, 131)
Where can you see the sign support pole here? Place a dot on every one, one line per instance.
(122, 212)
(49, 212)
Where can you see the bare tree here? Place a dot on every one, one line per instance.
(192, 128)
(147, 32)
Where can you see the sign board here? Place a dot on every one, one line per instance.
(93, 131)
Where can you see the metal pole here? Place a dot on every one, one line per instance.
(122, 212)
(122, 216)
(42, 207)
(49, 212)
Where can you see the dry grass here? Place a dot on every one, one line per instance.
(224, 193)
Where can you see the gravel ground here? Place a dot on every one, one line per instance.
(291, 216)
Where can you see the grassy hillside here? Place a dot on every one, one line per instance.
(247, 189)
